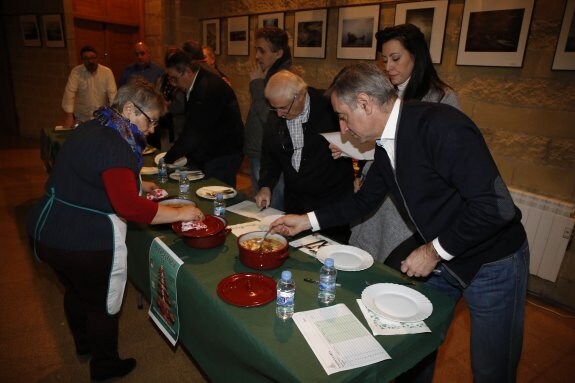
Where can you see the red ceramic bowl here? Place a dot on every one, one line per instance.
(212, 236)
(265, 259)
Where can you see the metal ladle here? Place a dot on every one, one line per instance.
(261, 241)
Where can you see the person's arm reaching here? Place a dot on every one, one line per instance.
(122, 190)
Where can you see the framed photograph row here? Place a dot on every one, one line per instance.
(492, 33)
(52, 31)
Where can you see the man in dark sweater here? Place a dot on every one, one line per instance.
(434, 161)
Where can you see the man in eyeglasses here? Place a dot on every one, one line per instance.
(90, 86)
(292, 144)
(213, 132)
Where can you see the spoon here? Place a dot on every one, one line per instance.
(261, 241)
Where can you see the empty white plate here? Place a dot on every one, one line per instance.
(345, 257)
(396, 302)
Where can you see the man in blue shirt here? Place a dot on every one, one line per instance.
(143, 66)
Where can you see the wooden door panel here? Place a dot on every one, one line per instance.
(92, 9)
(120, 42)
(91, 33)
(124, 11)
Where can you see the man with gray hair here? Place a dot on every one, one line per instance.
(433, 159)
(293, 145)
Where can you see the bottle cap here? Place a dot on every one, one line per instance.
(286, 275)
(328, 262)
(219, 196)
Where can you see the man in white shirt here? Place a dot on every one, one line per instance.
(90, 86)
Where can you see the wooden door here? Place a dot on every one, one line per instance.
(113, 42)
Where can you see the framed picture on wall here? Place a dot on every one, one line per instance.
(238, 36)
(211, 34)
(565, 51)
(52, 31)
(430, 17)
(356, 32)
(271, 20)
(494, 33)
(310, 33)
(30, 31)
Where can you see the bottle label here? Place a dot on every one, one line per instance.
(219, 211)
(285, 298)
(327, 286)
(184, 188)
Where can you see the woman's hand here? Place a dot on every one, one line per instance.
(169, 214)
(257, 72)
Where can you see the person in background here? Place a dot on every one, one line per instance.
(272, 54)
(211, 61)
(388, 233)
(435, 162)
(143, 67)
(213, 134)
(293, 146)
(78, 227)
(90, 85)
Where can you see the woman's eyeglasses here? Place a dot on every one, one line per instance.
(151, 121)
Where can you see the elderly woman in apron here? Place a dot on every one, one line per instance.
(79, 226)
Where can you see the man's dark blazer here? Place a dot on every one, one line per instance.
(213, 127)
(321, 180)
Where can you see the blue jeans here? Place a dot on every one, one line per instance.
(277, 201)
(496, 302)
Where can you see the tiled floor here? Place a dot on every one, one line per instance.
(36, 345)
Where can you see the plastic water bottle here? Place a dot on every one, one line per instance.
(184, 186)
(162, 171)
(285, 296)
(219, 205)
(327, 277)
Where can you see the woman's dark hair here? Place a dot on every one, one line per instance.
(423, 77)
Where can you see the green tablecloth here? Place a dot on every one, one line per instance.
(249, 344)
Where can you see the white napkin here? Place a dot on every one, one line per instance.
(312, 243)
(382, 326)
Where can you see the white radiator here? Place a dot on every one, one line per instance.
(549, 227)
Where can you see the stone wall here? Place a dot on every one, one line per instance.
(526, 114)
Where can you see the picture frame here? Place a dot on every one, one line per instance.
(238, 36)
(565, 51)
(310, 33)
(211, 34)
(356, 32)
(271, 20)
(52, 31)
(494, 33)
(30, 31)
(430, 17)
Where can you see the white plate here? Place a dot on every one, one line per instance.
(396, 302)
(210, 192)
(346, 258)
(147, 170)
(193, 175)
(177, 163)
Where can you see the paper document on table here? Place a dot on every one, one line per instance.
(310, 244)
(351, 147)
(251, 210)
(338, 339)
(382, 326)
